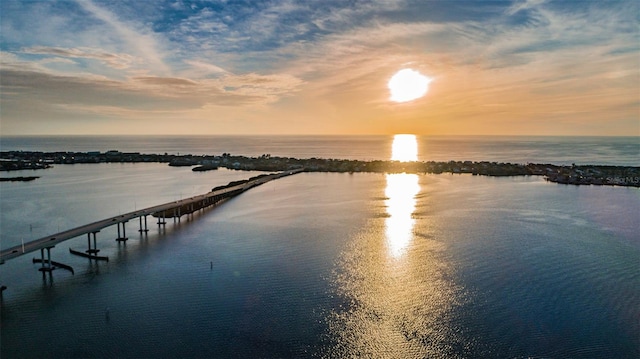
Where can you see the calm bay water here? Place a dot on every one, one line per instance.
(623, 151)
(329, 265)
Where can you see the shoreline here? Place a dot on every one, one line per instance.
(627, 176)
(19, 179)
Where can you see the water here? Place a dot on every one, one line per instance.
(622, 151)
(329, 265)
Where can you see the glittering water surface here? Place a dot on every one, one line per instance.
(493, 268)
(326, 265)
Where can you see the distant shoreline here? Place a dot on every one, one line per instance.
(628, 176)
(18, 179)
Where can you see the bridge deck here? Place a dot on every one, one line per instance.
(52, 240)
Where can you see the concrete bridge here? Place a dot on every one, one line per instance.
(174, 209)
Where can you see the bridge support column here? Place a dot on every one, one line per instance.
(95, 249)
(145, 229)
(91, 253)
(46, 264)
(161, 220)
(124, 233)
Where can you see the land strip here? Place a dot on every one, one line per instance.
(628, 176)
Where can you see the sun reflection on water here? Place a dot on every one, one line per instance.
(401, 192)
(393, 289)
(404, 148)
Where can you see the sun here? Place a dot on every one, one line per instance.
(408, 85)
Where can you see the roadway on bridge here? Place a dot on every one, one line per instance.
(52, 240)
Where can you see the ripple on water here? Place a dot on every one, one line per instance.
(394, 307)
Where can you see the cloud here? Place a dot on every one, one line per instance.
(56, 89)
(47, 91)
(165, 81)
(523, 5)
(268, 88)
(201, 69)
(140, 41)
(116, 61)
(249, 59)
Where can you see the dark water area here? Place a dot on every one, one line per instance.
(325, 265)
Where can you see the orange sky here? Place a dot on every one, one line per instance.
(497, 68)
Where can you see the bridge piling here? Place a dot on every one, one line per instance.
(161, 219)
(145, 229)
(95, 249)
(124, 233)
(46, 264)
(91, 253)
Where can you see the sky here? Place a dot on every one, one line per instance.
(525, 67)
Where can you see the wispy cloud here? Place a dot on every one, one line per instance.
(165, 81)
(116, 61)
(523, 5)
(200, 69)
(140, 41)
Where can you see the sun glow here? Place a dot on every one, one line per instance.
(407, 85)
(404, 148)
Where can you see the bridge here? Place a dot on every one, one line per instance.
(174, 209)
